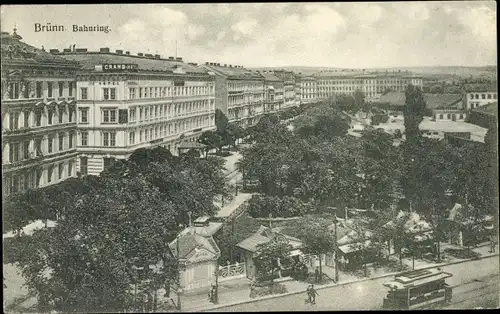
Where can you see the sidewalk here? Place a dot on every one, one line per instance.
(235, 203)
(235, 297)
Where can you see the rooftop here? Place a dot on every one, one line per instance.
(433, 101)
(89, 60)
(360, 73)
(480, 88)
(232, 71)
(190, 241)
(270, 77)
(16, 50)
(265, 235)
(491, 109)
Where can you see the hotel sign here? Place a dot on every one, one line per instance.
(116, 67)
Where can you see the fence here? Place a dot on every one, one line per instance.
(233, 271)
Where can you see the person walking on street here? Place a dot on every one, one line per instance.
(308, 291)
(316, 274)
(313, 294)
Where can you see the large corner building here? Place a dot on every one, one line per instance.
(126, 102)
(38, 116)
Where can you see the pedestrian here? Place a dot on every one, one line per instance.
(492, 244)
(309, 297)
(316, 274)
(313, 293)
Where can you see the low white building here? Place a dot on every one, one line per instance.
(198, 255)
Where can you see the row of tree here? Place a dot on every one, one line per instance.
(318, 163)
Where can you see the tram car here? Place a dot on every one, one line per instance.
(423, 288)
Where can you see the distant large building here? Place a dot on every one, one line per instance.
(477, 95)
(38, 116)
(239, 92)
(372, 84)
(308, 89)
(274, 89)
(288, 78)
(126, 102)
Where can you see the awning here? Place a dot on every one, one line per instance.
(349, 248)
(424, 236)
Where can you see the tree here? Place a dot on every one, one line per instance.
(414, 111)
(213, 140)
(236, 132)
(317, 239)
(221, 121)
(271, 254)
(86, 263)
(427, 174)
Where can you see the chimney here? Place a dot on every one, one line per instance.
(81, 49)
(218, 64)
(225, 65)
(104, 50)
(230, 65)
(207, 63)
(148, 55)
(120, 52)
(140, 54)
(171, 58)
(54, 50)
(178, 58)
(127, 52)
(157, 56)
(66, 50)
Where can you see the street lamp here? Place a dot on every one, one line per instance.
(216, 297)
(335, 221)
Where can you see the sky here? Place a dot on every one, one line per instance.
(344, 34)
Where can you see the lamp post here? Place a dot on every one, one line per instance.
(179, 289)
(335, 221)
(216, 299)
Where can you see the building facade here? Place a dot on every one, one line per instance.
(38, 116)
(308, 89)
(274, 89)
(128, 102)
(288, 78)
(475, 96)
(239, 93)
(372, 84)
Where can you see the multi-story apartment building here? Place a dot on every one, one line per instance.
(372, 84)
(288, 78)
(274, 89)
(298, 89)
(478, 95)
(239, 92)
(308, 89)
(128, 102)
(38, 116)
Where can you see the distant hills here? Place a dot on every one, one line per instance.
(464, 72)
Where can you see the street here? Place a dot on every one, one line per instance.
(368, 295)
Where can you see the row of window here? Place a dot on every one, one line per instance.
(147, 112)
(449, 116)
(33, 178)
(244, 86)
(157, 92)
(359, 82)
(52, 116)
(21, 150)
(484, 96)
(108, 139)
(24, 89)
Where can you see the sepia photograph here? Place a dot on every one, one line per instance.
(249, 157)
